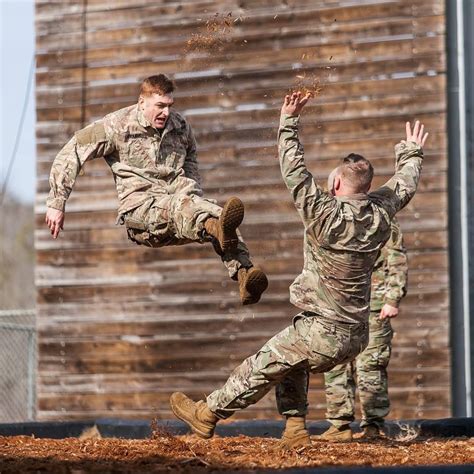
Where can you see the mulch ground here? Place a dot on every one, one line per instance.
(188, 454)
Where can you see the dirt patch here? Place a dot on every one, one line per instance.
(186, 454)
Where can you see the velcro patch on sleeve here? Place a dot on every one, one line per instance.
(94, 133)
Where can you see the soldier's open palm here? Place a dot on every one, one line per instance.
(416, 135)
(293, 104)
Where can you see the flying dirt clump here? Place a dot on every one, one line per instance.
(307, 84)
(216, 34)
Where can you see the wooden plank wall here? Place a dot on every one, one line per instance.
(121, 327)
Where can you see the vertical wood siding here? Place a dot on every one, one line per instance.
(120, 326)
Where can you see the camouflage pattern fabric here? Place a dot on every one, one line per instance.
(389, 278)
(343, 235)
(144, 160)
(388, 286)
(156, 176)
(310, 344)
(177, 219)
(371, 367)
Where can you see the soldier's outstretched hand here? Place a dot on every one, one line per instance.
(293, 104)
(416, 135)
(55, 221)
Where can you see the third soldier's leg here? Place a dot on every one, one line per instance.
(372, 375)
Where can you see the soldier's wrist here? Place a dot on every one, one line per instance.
(394, 303)
(56, 203)
(291, 120)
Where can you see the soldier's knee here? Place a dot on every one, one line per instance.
(375, 359)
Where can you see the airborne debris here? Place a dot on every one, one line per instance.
(216, 33)
(307, 83)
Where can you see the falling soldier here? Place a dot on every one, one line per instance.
(389, 280)
(152, 153)
(344, 234)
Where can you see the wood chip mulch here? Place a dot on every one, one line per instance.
(188, 454)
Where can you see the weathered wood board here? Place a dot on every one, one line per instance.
(121, 327)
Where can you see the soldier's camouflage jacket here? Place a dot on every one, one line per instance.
(143, 160)
(389, 278)
(343, 235)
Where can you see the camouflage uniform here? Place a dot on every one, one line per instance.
(156, 175)
(388, 286)
(343, 238)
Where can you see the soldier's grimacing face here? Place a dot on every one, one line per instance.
(156, 108)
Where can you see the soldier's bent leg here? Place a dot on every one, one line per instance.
(371, 365)
(179, 219)
(307, 344)
(340, 394)
(188, 215)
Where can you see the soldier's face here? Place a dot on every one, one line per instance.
(156, 108)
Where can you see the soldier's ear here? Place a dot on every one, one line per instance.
(337, 184)
(141, 100)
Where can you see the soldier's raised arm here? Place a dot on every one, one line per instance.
(396, 271)
(191, 169)
(89, 143)
(309, 197)
(397, 192)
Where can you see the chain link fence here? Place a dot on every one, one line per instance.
(18, 350)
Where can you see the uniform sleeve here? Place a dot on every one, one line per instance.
(310, 199)
(190, 166)
(89, 143)
(396, 267)
(397, 192)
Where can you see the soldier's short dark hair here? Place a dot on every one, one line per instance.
(159, 84)
(357, 171)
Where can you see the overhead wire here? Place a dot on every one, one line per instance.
(19, 131)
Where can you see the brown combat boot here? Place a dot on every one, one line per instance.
(295, 435)
(196, 414)
(337, 435)
(224, 228)
(252, 283)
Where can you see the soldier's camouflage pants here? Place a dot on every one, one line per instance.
(178, 219)
(371, 368)
(310, 344)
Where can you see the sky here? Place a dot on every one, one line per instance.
(17, 39)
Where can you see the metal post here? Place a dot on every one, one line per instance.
(31, 374)
(459, 206)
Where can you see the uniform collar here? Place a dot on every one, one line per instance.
(353, 197)
(144, 122)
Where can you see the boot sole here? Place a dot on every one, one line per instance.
(231, 217)
(179, 414)
(255, 285)
(335, 439)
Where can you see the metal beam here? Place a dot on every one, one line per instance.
(459, 57)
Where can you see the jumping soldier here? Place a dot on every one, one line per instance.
(151, 151)
(344, 233)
